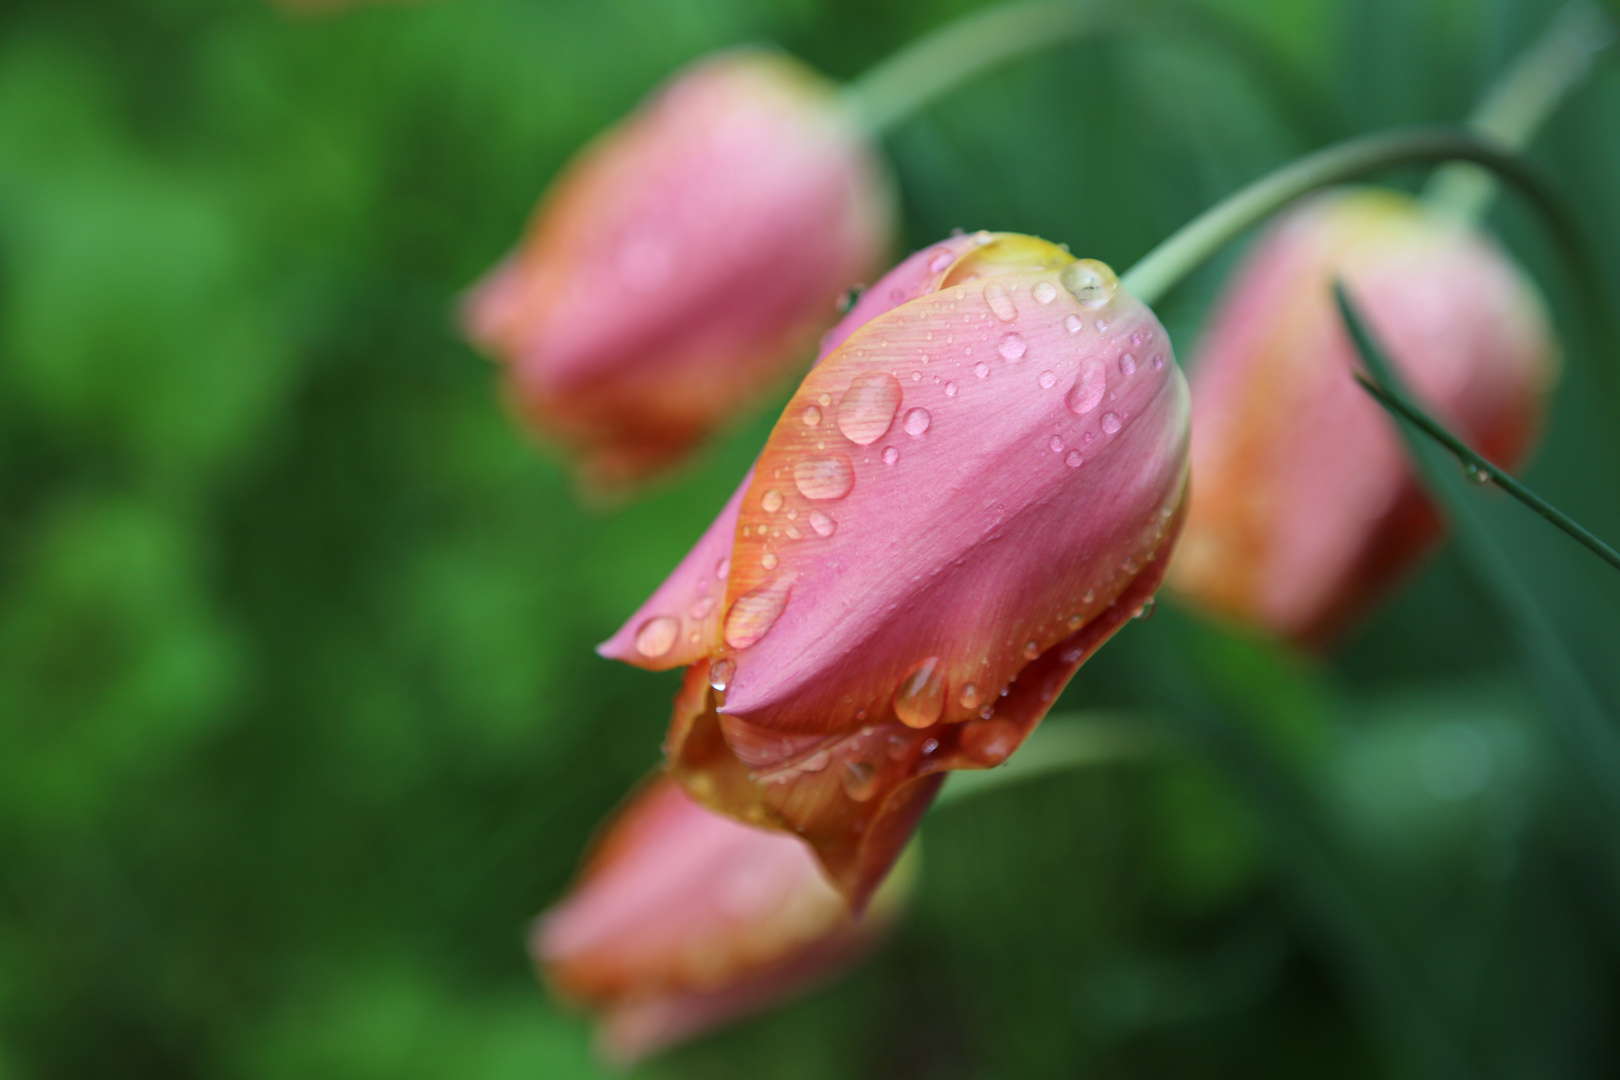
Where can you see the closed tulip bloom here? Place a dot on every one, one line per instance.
(967, 495)
(1305, 508)
(684, 919)
(684, 261)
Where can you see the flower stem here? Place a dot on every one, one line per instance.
(1167, 265)
(1521, 101)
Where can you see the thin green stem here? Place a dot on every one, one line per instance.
(1481, 469)
(1521, 101)
(1167, 265)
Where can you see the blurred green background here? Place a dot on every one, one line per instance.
(299, 718)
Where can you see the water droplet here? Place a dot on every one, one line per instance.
(811, 416)
(982, 237)
(1111, 422)
(1055, 443)
(1000, 303)
(772, 502)
(891, 455)
(1012, 347)
(657, 635)
(1088, 389)
(1136, 339)
(722, 569)
(1091, 282)
(1075, 622)
(917, 421)
(1073, 324)
(942, 259)
(721, 673)
(769, 560)
(700, 608)
(920, 698)
(754, 613)
(1158, 361)
(824, 478)
(981, 369)
(1047, 379)
(868, 407)
(1475, 474)
(929, 746)
(1145, 612)
(1074, 460)
(1045, 292)
(793, 532)
(1032, 649)
(990, 742)
(1101, 325)
(859, 780)
(969, 697)
(916, 376)
(825, 399)
(824, 525)
(950, 389)
(1127, 364)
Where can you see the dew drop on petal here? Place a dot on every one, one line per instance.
(916, 422)
(1047, 379)
(754, 613)
(950, 389)
(981, 369)
(1073, 324)
(1088, 389)
(969, 697)
(1001, 304)
(890, 455)
(772, 502)
(769, 560)
(1145, 612)
(1074, 459)
(657, 635)
(1158, 361)
(1012, 347)
(721, 673)
(1055, 443)
(1127, 364)
(990, 742)
(1045, 292)
(700, 608)
(811, 416)
(722, 569)
(859, 780)
(939, 262)
(1032, 649)
(824, 525)
(920, 698)
(1111, 422)
(1090, 282)
(868, 407)
(824, 478)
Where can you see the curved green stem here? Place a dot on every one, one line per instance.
(1167, 265)
(1521, 101)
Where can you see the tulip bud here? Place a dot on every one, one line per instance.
(681, 263)
(1305, 508)
(684, 920)
(967, 496)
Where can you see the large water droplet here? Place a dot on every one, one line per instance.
(1045, 292)
(1111, 422)
(1091, 282)
(917, 421)
(1000, 302)
(990, 742)
(824, 525)
(811, 416)
(772, 502)
(721, 673)
(1012, 347)
(1074, 460)
(859, 780)
(754, 613)
(1088, 388)
(868, 407)
(920, 698)
(823, 478)
(891, 456)
(657, 635)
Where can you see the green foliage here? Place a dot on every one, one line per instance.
(299, 717)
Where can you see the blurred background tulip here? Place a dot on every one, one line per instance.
(1305, 510)
(684, 261)
(683, 919)
(970, 493)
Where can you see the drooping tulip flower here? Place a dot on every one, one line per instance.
(684, 261)
(684, 919)
(970, 492)
(1305, 508)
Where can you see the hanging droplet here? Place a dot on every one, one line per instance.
(868, 407)
(824, 478)
(1090, 282)
(1089, 387)
(824, 525)
(920, 698)
(990, 742)
(1045, 292)
(772, 502)
(657, 635)
(754, 613)
(1145, 612)
(917, 421)
(1476, 474)
(721, 673)
(1001, 304)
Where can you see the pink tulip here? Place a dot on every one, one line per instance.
(684, 920)
(966, 497)
(684, 261)
(1305, 509)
